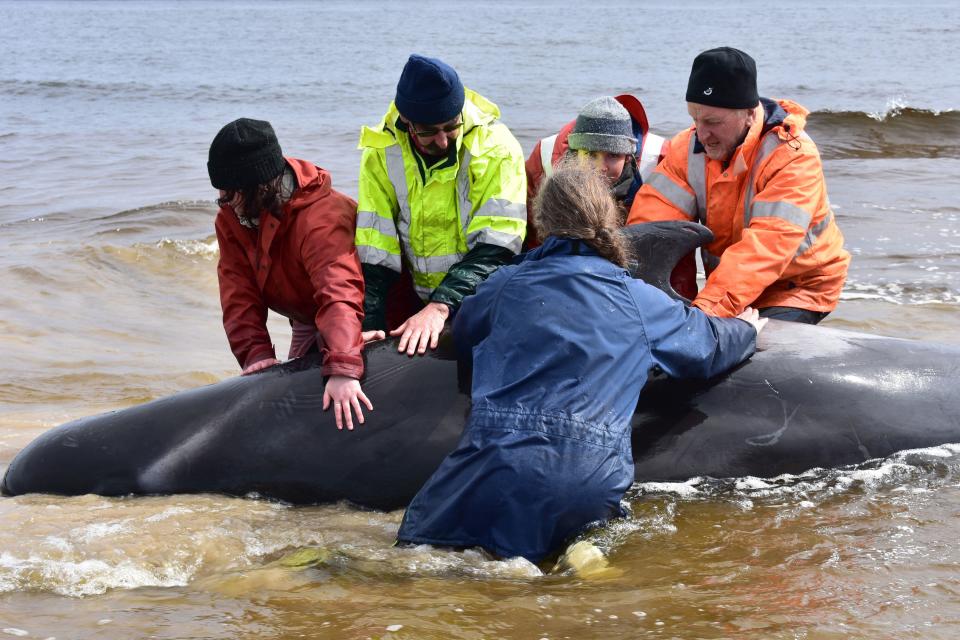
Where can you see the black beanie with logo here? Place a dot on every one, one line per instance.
(723, 77)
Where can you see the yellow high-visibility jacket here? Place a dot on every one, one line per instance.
(432, 216)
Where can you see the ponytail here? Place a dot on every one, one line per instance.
(575, 202)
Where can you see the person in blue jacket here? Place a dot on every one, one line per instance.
(562, 343)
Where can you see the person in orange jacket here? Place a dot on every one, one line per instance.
(748, 171)
(614, 133)
(286, 244)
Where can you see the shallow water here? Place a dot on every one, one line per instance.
(109, 299)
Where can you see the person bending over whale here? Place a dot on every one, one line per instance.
(286, 244)
(748, 171)
(561, 344)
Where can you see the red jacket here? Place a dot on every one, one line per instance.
(303, 266)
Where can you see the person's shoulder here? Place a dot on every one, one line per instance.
(649, 299)
(333, 208)
(492, 139)
(679, 143)
(323, 206)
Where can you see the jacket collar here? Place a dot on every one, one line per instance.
(313, 183)
(789, 116)
(555, 245)
(477, 111)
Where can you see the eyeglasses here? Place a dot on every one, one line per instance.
(430, 132)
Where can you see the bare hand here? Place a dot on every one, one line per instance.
(372, 336)
(752, 316)
(346, 394)
(422, 329)
(260, 365)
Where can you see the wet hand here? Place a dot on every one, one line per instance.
(346, 395)
(752, 316)
(260, 365)
(422, 329)
(372, 336)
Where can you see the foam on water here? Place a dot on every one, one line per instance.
(78, 578)
(873, 474)
(206, 248)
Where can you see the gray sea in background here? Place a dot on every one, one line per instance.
(108, 298)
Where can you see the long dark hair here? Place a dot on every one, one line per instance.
(256, 199)
(575, 202)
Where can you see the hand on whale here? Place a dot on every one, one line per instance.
(346, 395)
(259, 365)
(422, 329)
(752, 316)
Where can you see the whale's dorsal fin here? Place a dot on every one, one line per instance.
(657, 247)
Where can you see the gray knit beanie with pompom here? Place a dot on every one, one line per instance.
(603, 125)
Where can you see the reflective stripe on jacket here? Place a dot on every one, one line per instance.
(433, 216)
(303, 266)
(777, 242)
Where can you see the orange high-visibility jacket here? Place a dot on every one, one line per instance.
(776, 240)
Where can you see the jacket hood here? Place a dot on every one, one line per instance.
(787, 113)
(637, 113)
(313, 183)
(477, 111)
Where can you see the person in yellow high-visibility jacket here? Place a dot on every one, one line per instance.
(442, 195)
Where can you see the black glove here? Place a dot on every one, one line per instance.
(377, 280)
(462, 278)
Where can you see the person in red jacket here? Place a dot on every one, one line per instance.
(286, 244)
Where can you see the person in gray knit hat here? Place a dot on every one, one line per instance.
(603, 125)
(614, 133)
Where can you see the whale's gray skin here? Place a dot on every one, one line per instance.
(810, 397)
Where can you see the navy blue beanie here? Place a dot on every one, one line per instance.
(429, 91)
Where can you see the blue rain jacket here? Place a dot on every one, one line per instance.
(562, 344)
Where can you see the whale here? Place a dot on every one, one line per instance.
(810, 397)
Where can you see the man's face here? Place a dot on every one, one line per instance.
(610, 164)
(720, 130)
(435, 139)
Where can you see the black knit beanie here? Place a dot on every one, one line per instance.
(723, 77)
(245, 153)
